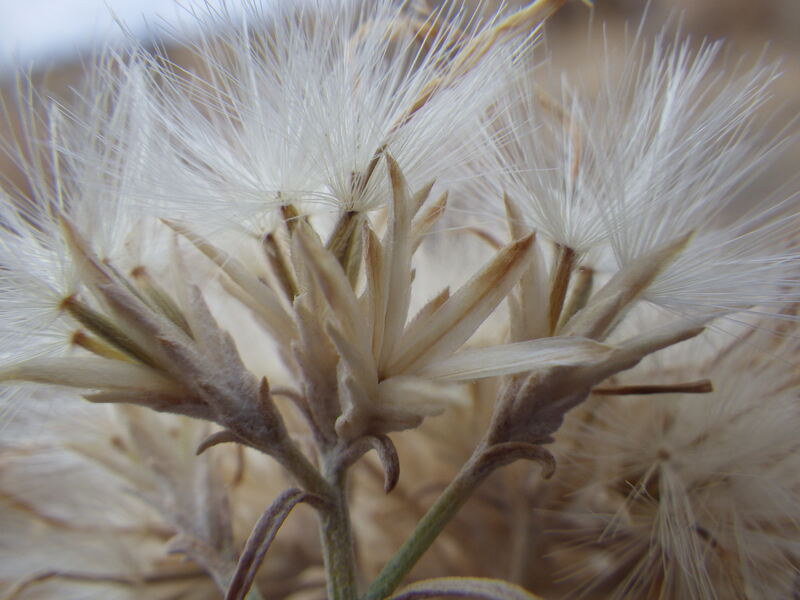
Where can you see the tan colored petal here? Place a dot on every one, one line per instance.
(448, 328)
(519, 357)
(397, 251)
(327, 276)
(90, 373)
(357, 415)
(533, 284)
(418, 396)
(609, 304)
(374, 300)
(420, 196)
(423, 223)
(265, 301)
(430, 307)
(360, 363)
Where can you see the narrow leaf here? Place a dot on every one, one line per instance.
(140, 320)
(182, 404)
(266, 320)
(220, 437)
(261, 538)
(464, 587)
(346, 243)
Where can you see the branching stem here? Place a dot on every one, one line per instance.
(430, 526)
(334, 516)
(306, 474)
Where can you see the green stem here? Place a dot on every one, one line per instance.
(337, 543)
(253, 594)
(429, 528)
(334, 519)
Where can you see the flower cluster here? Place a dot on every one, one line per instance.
(273, 247)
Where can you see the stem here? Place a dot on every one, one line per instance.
(254, 594)
(334, 517)
(429, 527)
(293, 460)
(337, 542)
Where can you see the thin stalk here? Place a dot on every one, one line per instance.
(293, 460)
(96, 346)
(334, 519)
(429, 527)
(105, 329)
(702, 386)
(252, 594)
(337, 543)
(565, 262)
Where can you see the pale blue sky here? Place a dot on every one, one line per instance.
(45, 31)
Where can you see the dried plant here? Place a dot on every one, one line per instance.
(348, 218)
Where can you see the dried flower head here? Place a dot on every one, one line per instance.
(288, 179)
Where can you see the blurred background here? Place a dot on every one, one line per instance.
(52, 39)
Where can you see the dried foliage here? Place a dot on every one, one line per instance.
(357, 227)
